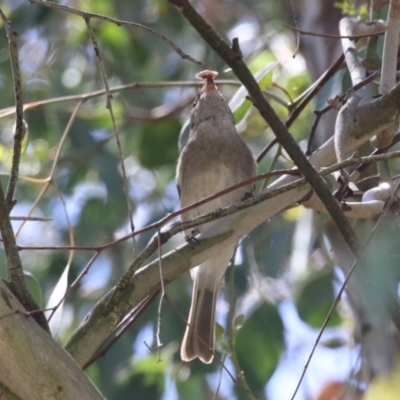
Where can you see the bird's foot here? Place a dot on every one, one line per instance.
(191, 238)
(247, 195)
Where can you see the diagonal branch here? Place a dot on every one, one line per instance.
(131, 290)
(233, 58)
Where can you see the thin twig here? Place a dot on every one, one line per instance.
(82, 274)
(234, 380)
(49, 180)
(115, 128)
(70, 227)
(158, 332)
(212, 216)
(167, 218)
(231, 332)
(160, 112)
(24, 313)
(341, 290)
(311, 92)
(129, 86)
(18, 218)
(119, 22)
(266, 149)
(313, 130)
(121, 329)
(295, 23)
(330, 36)
(74, 284)
(17, 279)
(216, 394)
(319, 113)
(19, 119)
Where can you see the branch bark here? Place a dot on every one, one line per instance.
(112, 308)
(33, 365)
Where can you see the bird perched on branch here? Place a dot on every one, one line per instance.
(214, 158)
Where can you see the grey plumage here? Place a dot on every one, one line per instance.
(214, 158)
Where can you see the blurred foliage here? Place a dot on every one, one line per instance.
(86, 198)
(265, 330)
(385, 386)
(315, 298)
(351, 8)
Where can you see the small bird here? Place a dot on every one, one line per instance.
(214, 158)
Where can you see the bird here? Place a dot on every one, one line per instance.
(214, 158)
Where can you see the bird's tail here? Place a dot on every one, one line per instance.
(200, 333)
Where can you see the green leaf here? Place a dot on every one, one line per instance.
(114, 35)
(56, 299)
(315, 298)
(145, 377)
(219, 331)
(241, 112)
(259, 344)
(34, 288)
(152, 368)
(149, 370)
(194, 387)
(239, 104)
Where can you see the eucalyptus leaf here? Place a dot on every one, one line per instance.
(259, 344)
(34, 287)
(314, 299)
(56, 298)
(239, 104)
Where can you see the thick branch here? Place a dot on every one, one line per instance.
(33, 365)
(356, 120)
(112, 308)
(389, 57)
(130, 292)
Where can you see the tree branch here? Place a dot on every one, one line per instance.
(17, 279)
(33, 365)
(240, 69)
(131, 290)
(19, 121)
